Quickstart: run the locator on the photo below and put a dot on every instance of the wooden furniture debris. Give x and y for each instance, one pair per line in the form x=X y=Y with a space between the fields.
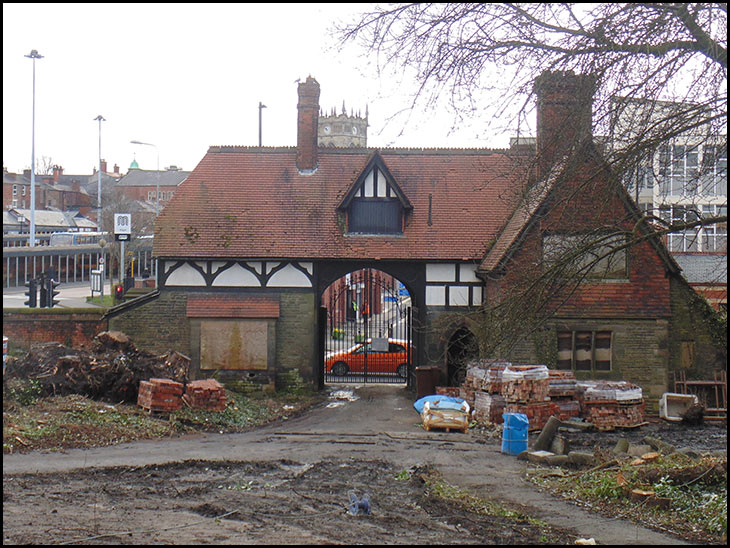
x=712 y=393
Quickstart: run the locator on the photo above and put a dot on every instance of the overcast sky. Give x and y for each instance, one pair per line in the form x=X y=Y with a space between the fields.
x=187 y=76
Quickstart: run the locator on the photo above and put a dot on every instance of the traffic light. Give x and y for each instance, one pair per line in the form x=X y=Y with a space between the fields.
x=32 y=294
x=44 y=292
x=118 y=292
x=51 y=292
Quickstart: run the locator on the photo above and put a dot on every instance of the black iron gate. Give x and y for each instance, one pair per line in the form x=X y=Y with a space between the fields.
x=368 y=335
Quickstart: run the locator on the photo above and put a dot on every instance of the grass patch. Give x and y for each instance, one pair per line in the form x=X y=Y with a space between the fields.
x=696 y=490
x=56 y=423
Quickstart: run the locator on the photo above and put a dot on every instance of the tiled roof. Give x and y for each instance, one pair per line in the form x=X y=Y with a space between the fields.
x=141 y=177
x=232 y=306
x=254 y=203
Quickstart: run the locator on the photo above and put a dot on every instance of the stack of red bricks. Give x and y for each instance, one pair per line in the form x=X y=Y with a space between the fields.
x=563 y=391
x=160 y=395
x=205 y=394
x=488 y=407
x=525 y=389
x=612 y=404
x=482 y=389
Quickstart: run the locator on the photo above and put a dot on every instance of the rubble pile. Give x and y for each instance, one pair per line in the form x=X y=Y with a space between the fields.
x=111 y=367
x=494 y=387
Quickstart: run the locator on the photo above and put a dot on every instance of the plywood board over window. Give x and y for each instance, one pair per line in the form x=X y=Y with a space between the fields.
x=233 y=344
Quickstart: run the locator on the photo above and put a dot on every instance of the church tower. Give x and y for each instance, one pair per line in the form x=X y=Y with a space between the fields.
x=343 y=130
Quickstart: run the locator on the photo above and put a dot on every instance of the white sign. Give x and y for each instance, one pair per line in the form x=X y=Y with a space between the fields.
x=122 y=223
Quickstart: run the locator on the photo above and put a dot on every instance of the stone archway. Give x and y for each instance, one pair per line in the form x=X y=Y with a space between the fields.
x=460 y=349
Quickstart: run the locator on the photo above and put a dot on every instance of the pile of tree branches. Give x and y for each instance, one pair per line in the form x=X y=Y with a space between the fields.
x=111 y=368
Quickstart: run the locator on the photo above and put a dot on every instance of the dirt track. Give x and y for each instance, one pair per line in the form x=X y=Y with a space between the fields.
x=287 y=484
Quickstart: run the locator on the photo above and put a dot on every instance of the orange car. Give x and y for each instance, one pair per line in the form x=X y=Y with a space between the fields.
x=354 y=360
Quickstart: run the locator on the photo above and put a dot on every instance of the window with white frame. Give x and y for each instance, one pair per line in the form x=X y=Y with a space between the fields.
x=714 y=170
x=678 y=170
x=708 y=238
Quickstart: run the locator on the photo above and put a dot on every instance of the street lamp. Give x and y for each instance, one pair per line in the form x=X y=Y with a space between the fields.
x=100 y=119
x=31 y=239
x=157 y=200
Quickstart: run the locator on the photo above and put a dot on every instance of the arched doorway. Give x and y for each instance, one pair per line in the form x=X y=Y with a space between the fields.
x=461 y=348
x=368 y=333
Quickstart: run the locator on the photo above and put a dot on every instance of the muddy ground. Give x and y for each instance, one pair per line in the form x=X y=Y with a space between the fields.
x=281 y=502
x=291 y=484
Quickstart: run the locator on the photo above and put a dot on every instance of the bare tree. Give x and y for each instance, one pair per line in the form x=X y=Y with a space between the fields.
x=490 y=54
x=660 y=100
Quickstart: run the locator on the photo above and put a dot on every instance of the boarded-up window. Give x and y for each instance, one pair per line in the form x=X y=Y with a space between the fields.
x=603 y=351
x=565 y=350
x=584 y=350
x=235 y=345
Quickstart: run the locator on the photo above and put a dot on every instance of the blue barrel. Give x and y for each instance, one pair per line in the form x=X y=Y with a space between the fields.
x=514 y=435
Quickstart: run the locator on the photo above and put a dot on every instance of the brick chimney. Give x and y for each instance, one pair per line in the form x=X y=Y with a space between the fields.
x=103 y=166
x=564 y=114
x=307 y=120
x=57 y=172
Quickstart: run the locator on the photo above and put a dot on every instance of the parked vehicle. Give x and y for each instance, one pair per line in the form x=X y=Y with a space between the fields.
x=366 y=355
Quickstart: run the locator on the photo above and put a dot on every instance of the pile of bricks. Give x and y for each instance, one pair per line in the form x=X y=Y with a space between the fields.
x=160 y=395
x=526 y=384
x=563 y=391
x=205 y=394
x=610 y=404
x=165 y=395
x=538 y=413
x=494 y=387
x=488 y=407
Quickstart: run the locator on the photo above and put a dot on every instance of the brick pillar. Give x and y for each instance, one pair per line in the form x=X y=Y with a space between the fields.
x=307 y=119
x=564 y=115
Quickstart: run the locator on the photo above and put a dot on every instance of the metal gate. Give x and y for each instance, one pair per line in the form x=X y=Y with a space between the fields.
x=368 y=334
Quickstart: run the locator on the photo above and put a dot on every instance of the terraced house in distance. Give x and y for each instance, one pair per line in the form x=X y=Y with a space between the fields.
x=254 y=237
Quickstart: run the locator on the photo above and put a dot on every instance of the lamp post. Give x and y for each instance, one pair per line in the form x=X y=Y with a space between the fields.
x=100 y=119
x=157 y=200
x=31 y=238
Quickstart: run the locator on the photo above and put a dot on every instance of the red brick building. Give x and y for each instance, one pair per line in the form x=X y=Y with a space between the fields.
x=459 y=228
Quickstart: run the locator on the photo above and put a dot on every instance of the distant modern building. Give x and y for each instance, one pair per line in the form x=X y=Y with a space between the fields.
x=679 y=180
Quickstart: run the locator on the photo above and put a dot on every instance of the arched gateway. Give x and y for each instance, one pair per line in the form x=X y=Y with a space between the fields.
x=256 y=238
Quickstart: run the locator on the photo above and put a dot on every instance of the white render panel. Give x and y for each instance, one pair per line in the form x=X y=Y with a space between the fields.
x=369 y=185
x=256 y=266
x=186 y=275
x=440 y=272
x=458 y=295
x=436 y=295
x=236 y=276
x=289 y=277
x=476 y=296
x=468 y=273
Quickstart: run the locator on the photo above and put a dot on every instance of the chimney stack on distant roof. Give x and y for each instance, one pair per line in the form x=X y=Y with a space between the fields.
x=307 y=121
x=564 y=114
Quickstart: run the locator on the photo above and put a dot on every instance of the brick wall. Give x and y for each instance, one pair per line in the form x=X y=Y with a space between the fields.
x=69 y=326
